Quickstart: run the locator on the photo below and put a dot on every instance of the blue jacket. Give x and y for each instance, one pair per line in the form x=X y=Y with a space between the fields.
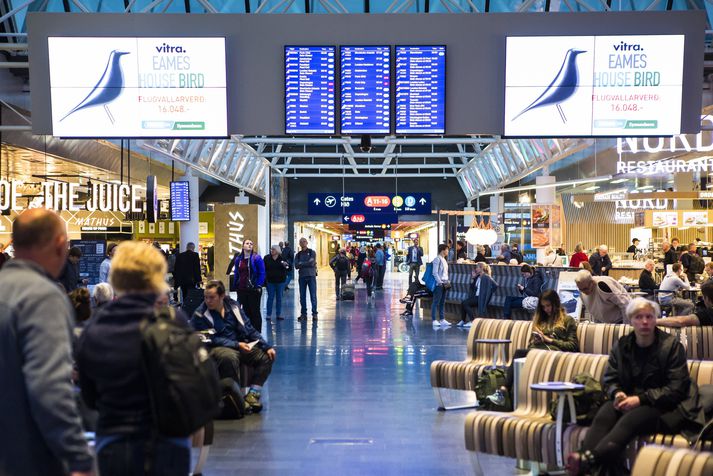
x=488 y=286
x=256 y=266
x=243 y=330
x=419 y=255
x=40 y=428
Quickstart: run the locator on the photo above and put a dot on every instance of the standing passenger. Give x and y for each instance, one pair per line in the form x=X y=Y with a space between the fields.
x=106 y=264
x=289 y=256
x=340 y=265
x=414 y=260
x=276 y=277
x=380 y=262
x=40 y=431
x=306 y=263
x=440 y=273
x=249 y=278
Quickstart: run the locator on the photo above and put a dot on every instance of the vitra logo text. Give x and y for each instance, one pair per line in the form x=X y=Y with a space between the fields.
x=166 y=48
x=624 y=46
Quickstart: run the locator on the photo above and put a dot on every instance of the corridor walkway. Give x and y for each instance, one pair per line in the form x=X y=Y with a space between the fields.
x=352 y=396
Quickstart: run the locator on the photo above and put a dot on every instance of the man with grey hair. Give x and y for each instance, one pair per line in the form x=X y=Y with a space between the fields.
x=103 y=293
x=604 y=297
x=600 y=261
x=40 y=428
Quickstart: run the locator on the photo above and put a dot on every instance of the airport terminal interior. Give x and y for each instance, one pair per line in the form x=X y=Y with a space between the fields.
x=423 y=237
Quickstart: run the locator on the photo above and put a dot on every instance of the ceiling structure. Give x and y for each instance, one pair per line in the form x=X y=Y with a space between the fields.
x=480 y=163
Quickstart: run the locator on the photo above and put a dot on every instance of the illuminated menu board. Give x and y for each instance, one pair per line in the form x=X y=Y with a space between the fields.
x=569 y=86
x=365 y=89
x=180 y=201
x=420 y=89
x=309 y=89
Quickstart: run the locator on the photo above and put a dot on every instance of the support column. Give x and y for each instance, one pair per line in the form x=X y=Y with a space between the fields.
x=497 y=206
x=544 y=196
x=189 y=229
x=683 y=182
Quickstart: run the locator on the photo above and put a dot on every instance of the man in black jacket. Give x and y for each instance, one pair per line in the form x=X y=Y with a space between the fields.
x=233 y=340
x=600 y=261
x=414 y=260
x=289 y=256
x=647 y=283
x=532 y=287
x=669 y=255
x=70 y=277
x=187 y=272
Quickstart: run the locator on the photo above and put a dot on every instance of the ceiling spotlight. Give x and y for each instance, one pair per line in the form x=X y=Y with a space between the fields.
x=365 y=144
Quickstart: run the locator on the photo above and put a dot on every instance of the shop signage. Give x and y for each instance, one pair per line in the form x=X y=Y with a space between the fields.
x=668 y=166
x=353 y=203
x=362 y=219
x=676 y=143
x=61 y=196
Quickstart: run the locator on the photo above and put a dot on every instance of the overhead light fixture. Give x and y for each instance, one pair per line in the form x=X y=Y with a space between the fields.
x=566 y=183
x=524 y=198
x=620 y=180
x=592 y=188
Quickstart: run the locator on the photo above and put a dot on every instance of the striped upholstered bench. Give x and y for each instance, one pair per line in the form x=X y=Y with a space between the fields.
x=600 y=338
x=461 y=375
x=658 y=460
x=528 y=433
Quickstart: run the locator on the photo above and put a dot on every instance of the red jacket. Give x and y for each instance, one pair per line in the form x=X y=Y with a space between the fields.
x=578 y=258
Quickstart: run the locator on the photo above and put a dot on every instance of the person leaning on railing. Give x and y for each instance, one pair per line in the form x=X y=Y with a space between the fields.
x=552 y=329
x=650 y=391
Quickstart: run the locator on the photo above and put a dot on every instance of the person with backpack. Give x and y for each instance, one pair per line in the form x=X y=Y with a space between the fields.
x=234 y=341
x=340 y=265
x=112 y=372
x=650 y=390
x=692 y=263
x=249 y=278
x=360 y=257
x=276 y=276
x=552 y=329
x=367 y=273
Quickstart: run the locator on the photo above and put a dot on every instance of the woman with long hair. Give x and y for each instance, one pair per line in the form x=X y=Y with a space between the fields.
x=552 y=329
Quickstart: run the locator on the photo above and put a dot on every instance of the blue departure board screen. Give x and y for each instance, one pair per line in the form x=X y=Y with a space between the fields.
x=366 y=89
x=180 y=201
x=420 y=89
x=309 y=89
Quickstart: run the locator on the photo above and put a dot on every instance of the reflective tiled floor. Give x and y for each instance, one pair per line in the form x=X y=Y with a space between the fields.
x=352 y=396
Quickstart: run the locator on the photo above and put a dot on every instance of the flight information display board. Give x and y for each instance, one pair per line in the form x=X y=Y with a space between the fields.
x=309 y=89
x=420 y=89
x=365 y=89
x=180 y=201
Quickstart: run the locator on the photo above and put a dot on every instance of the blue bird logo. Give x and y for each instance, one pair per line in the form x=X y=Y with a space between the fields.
x=107 y=88
x=562 y=87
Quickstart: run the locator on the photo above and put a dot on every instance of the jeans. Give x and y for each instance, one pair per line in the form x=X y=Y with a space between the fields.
x=413 y=271
x=469 y=308
x=381 y=271
x=129 y=456
x=511 y=302
x=438 y=307
x=290 y=273
x=340 y=279
x=311 y=283
x=250 y=300
x=274 y=292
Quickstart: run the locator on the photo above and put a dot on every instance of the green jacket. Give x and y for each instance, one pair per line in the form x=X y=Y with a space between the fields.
x=565 y=338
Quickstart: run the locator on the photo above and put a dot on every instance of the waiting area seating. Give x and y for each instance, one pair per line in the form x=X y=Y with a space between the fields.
x=529 y=433
x=658 y=460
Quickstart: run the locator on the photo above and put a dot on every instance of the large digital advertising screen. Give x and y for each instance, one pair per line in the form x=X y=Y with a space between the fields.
x=570 y=86
x=420 y=89
x=365 y=89
x=138 y=87
x=309 y=90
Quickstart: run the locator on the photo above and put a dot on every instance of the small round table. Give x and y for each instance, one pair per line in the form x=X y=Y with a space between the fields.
x=563 y=389
x=498 y=349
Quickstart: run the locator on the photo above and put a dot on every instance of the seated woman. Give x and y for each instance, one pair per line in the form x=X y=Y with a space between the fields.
x=552 y=329
x=647 y=283
x=650 y=391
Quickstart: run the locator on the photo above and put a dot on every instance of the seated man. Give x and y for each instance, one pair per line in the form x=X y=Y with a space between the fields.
x=701 y=317
x=415 y=291
x=482 y=288
x=647 y=283
x=604 y=297
x=675 y=281
x=233 y=340
x=531 y=287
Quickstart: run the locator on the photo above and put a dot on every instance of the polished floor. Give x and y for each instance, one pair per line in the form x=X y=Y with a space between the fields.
x=351 y=396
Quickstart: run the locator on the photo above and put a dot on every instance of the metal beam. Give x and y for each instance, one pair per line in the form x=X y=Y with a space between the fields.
x=443 y=175
x=365 y=155
x=454 y=167
x=15 y=11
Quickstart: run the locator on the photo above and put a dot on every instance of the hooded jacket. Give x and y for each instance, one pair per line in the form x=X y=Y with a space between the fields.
x=243 y=330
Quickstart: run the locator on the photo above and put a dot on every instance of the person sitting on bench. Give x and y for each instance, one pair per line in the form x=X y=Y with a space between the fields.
x=531 y=287
x=482 y=288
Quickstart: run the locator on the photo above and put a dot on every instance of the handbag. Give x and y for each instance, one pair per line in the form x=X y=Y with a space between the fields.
x=529 y=303
x=428 y=279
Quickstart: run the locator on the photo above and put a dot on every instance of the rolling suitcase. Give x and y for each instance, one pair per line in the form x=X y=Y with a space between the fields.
x=347 y=293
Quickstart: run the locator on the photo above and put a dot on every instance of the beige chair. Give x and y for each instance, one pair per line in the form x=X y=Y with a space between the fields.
x=655 y=460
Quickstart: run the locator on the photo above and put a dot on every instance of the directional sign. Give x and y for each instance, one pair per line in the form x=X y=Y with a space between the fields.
x=371 y=226
x=335 y=203
x=360 y=220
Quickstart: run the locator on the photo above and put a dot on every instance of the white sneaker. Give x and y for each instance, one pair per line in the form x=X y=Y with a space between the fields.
x=460 y=324
x=436 y=323
x=445 y=322
x=467 y=325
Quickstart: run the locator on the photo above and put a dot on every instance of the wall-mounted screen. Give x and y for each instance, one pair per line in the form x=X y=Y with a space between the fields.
x=568 y=86
x=420 y=89
x=365 y=89
x=180 y=201
x=309 y=90
x=138 y=87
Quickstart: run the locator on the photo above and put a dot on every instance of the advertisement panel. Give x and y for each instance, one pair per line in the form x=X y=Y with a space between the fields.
x=568 y=86
x=546 y=227
x=138 y=87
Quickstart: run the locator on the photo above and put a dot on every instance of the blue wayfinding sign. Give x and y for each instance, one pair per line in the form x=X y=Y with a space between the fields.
x=354 y=203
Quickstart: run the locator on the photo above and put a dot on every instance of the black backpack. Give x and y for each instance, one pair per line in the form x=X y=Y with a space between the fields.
x=180 y=376
x=697 y=264
x=232 y=405
x=342 y=263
